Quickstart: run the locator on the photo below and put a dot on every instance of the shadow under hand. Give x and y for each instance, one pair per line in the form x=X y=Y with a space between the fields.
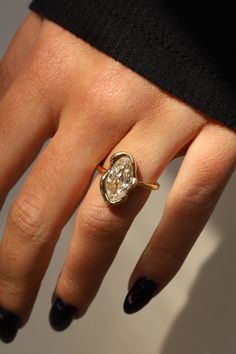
x=206 y=325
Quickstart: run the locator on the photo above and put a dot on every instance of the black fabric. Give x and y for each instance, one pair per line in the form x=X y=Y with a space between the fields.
x=185 y=47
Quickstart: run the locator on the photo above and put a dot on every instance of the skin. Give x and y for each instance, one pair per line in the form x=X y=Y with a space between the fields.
x=55 y=86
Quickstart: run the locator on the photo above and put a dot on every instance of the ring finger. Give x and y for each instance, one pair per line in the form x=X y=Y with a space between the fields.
x=99 y=229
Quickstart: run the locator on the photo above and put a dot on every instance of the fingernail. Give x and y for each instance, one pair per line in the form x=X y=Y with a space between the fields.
x=139 y=295
x=9 y=325
x=61 y=314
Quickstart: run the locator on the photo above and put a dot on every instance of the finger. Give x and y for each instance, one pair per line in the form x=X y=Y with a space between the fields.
x=18 y=50
x=35 y=220
x=99 y=230
x=26 y=122
x=206 y=168
x=52 y=191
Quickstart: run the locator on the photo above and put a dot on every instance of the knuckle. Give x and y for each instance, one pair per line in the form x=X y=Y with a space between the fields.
x=26 y=217
x=98 y=223
x=106 y=92
x=39 y=82
x=46 y=59
x=97 y=104
x=46 y=69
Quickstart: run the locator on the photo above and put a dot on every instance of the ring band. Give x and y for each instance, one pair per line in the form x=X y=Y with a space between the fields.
x=117 y=181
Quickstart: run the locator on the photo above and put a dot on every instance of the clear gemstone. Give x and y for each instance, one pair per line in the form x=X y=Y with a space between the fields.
x=119 y=179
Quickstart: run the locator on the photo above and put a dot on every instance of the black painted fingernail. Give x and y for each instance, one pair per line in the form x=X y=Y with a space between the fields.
x=9 y=325
x=61 y=314
x=139 y=295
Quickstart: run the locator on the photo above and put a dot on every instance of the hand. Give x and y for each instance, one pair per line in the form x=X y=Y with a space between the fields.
x=55 y=85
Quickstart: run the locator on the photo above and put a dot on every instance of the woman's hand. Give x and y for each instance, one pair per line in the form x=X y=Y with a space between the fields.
x=55 y=85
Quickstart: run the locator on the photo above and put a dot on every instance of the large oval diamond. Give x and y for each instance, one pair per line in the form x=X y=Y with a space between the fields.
x=118 y=180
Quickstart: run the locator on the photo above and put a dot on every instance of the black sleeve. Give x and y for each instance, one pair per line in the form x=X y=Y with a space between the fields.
x=185 y=47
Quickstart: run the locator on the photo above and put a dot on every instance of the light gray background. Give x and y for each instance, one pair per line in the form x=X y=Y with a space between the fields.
x=194 y=314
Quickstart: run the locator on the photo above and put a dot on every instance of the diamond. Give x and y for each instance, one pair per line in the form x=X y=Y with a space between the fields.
x=118 y=180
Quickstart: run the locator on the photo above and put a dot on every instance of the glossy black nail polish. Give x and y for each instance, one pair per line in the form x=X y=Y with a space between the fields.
x=9 y=325
x=139 y=295
x=61 y=314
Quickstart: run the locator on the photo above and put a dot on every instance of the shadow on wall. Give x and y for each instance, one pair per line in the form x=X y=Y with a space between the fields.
x=207 y=323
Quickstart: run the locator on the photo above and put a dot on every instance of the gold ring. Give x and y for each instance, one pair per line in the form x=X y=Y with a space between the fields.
x=117 y=181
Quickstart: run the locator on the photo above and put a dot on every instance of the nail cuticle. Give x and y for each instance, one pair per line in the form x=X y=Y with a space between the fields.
x=61 y=314
x=143 y=290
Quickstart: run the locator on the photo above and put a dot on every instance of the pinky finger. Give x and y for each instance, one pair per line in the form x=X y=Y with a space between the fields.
x=204 y=173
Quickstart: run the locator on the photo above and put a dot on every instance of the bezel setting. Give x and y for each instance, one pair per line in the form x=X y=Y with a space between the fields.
x=132 y=183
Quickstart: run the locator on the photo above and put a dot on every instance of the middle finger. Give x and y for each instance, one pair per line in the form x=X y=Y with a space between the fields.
x=48 y=198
